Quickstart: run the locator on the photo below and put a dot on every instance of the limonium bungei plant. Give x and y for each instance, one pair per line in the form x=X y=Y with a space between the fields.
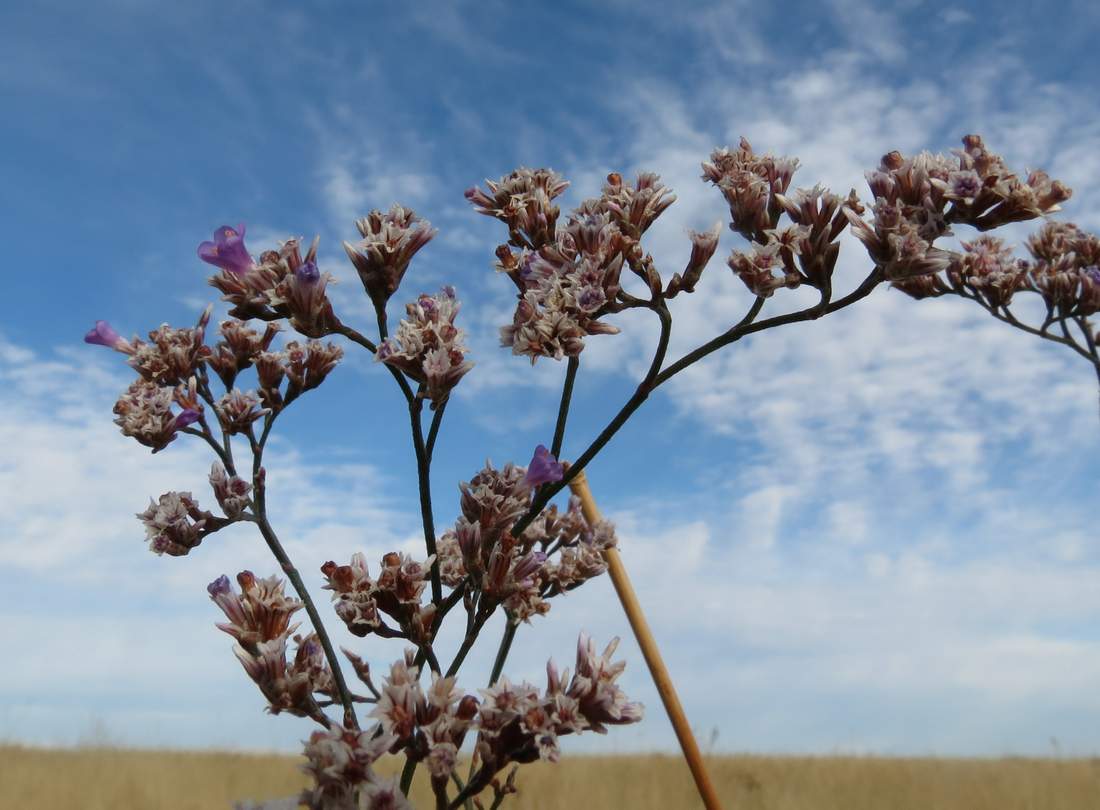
x=1064 y=268
x=510 y=549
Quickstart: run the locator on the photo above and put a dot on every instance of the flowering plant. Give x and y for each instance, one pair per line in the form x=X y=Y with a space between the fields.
x=510 y=549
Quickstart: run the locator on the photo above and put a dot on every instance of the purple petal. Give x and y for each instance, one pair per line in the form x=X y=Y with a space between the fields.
x=227 y=251
x=208 y=252
x=544 y=468
x=103 y=335
x=186 y=417
x=307 y=272
x=218 y=586
x=528 y=565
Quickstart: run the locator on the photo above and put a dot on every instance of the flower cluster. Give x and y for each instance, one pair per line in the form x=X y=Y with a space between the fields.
x=988 y=268
x=918 y=198
x=568 y=277
x=522 y=200
x=259 y=620
x=634 y=208
x=756 y=189
x=339 y=759
x=174 y=524
x=508 y=548
x=428 y=346
x=751 y=184
x=431 y=723
x=237 y=410
x=283 y=284
x=238 y=349
x=556 y=553
x=389 y=243
x=303 y=366
x=1066 y=269
x=518 y=723
x=396 y=593
x=144 y=412
x=564 y=287
x=569 y=273
x=233 y=492
x=172 y=355
x=515 y=723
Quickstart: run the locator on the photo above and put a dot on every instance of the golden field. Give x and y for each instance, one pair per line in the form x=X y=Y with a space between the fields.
x=118 y=779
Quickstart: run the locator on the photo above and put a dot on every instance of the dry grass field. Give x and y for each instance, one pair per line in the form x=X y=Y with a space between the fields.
x=119 y=779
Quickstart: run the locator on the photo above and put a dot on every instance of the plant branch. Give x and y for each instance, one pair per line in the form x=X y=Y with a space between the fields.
x=505 y=647
x=468 y=642
x=423 y=469
x=356 y=337
x=748 y=325
x=1007 y=317
x=295 y=578
x=648 y=383
x=433 y=430
x=563 y=408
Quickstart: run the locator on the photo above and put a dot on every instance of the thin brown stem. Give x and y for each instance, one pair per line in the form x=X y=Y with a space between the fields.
x=1005 y=315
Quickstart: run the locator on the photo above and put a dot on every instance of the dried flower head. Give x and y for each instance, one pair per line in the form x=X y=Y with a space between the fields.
x=302 y=295
x=172 y=355
x=353 y=592
x=260 y=612
x=389 y=242
x=988 y=267
x=428 y=346
x=522 y=200
x=237 y=410
x=232 y=491
x=703 y=246
x=771 y=265
x=1066 y=268
x=564 y=287
x=339 y=759
x=986 y=194
x=238 y=348
x=144 y=412
x=634 y=208
x=750 y=183
x=306 y=366
x=174 y=524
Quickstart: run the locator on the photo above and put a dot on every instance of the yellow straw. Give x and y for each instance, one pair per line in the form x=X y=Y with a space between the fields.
x=661 y=678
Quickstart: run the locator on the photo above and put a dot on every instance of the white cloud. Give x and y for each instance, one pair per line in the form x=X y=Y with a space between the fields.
x=751 y=606
x=892 y=547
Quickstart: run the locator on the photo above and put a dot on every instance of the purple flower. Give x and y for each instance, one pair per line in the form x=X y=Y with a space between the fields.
x=528 y=565
x=308 y=273
x=544 y=468
x=219 y=586
x=227 y=251
x=186 y=417
x=103 y=335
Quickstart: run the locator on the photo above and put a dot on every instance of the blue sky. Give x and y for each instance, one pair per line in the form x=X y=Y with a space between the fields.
x=875 y=532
